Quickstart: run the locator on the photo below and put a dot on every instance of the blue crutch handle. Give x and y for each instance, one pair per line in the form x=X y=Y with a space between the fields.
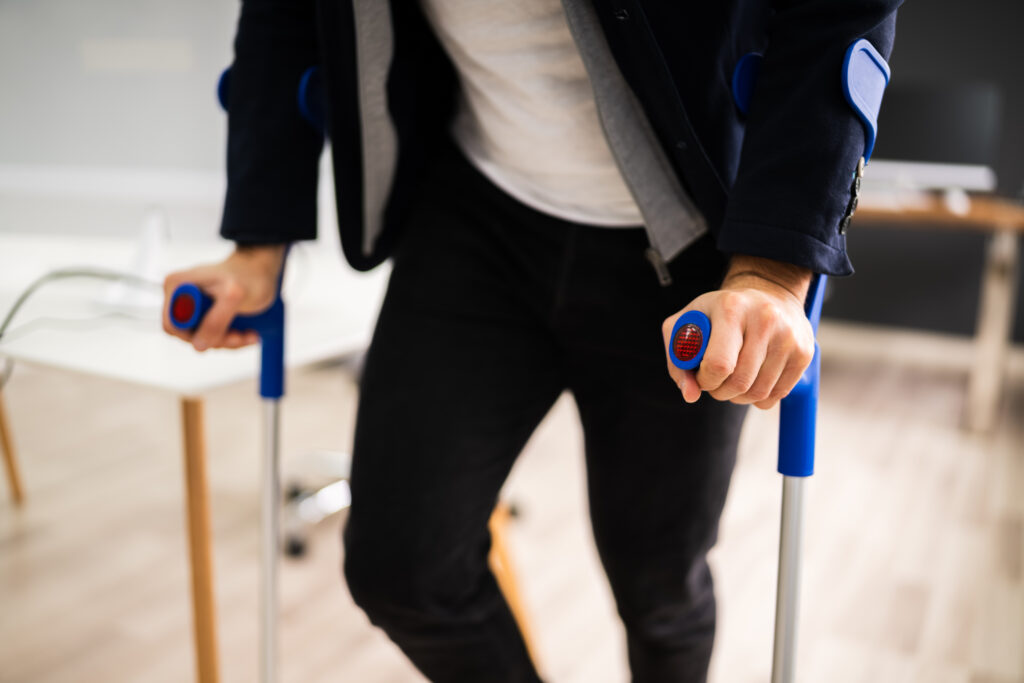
x=189 y=304
x=798 y=411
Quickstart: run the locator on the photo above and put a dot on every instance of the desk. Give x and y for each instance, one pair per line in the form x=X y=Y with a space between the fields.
x=331 y=312
x=1005 y=221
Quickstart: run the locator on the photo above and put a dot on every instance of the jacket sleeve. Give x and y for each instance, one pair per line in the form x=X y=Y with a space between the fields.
x=803 y=140
x=273 y=153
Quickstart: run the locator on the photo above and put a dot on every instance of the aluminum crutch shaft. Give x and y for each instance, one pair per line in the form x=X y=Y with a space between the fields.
x=787 y=597
x=270 y=497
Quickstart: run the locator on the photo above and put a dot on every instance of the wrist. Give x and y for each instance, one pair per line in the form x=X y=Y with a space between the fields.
x=769 y=275
x=267 y=257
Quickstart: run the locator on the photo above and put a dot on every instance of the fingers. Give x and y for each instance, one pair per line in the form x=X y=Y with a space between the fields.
x=722 y=354
x=790 y=375
x=761 y=360
x=689 y=386
x=236 y=340
x=767 y=379
x=213 y=329
x=749 y=366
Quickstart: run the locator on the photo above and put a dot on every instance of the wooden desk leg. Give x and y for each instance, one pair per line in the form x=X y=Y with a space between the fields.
x=992 y=336
x=504 y=573
x=200 y=550
x=10 y=459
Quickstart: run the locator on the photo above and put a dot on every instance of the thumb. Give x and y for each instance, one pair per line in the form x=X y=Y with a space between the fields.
x=689 y=387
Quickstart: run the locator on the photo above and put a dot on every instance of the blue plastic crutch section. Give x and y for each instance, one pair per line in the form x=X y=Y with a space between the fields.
x=224 y=88
x=798 y=411
x=309 y=97
x=270 y=323
x=744 y=78
x=865 y=75
x=189 y=304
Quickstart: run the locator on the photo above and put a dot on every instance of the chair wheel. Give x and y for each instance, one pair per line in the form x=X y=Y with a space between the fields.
x=295 y=546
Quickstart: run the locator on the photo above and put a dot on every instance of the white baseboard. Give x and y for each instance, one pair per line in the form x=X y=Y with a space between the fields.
x=907 y=347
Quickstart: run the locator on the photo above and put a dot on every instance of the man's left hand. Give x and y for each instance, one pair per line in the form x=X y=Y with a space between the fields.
x=761 y=341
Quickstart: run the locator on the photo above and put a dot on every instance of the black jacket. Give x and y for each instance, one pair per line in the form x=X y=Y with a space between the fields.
x=774 y=183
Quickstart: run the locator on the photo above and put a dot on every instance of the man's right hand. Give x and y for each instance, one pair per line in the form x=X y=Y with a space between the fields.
x=244 y=283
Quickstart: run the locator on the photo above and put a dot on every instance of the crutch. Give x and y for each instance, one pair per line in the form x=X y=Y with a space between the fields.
x=796 y=462
x=188 y=305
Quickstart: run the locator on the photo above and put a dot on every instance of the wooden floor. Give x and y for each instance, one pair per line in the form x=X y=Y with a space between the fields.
x=914 y=541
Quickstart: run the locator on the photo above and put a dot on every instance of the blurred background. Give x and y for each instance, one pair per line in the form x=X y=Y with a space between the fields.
x=112 y=155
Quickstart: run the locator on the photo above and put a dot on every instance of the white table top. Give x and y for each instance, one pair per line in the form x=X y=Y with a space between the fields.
x=331 y=310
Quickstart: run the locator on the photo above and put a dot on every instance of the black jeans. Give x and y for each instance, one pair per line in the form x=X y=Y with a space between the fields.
x=493 y=309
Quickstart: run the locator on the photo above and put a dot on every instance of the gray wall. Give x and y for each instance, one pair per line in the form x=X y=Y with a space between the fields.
x=107 y=108
x=113 y=82
x=929 y=279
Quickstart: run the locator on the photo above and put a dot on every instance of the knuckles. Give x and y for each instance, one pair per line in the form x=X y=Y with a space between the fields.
x=769 y=316
x=233 y=291
x=718 y=366
x=741 y=382
x=756 y=395
x=805 y=352
x=732 y=305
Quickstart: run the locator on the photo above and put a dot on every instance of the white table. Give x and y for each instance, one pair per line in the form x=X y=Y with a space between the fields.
x=331 y=310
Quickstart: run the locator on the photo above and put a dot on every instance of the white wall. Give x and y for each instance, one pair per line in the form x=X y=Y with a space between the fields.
x=113 y=82
x=106 y=97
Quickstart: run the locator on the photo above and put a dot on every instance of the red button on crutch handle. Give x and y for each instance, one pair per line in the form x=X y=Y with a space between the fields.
x=689 y=340
x=183 y=309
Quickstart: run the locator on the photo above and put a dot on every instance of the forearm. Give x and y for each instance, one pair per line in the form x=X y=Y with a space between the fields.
x=273 y=153
x=802 y=140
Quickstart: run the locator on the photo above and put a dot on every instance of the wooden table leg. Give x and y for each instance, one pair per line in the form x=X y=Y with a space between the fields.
x=504 y=573
x=992 y=337
x=10 y=459
x=200 y=547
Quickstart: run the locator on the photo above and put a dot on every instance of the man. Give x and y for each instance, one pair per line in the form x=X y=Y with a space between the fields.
x=554 y=181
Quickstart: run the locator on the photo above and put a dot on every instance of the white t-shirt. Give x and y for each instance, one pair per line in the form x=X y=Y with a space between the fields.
x=526 y=116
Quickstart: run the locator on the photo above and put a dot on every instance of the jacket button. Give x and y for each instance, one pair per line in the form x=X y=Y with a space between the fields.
x=621 y=14
x=681 y=145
